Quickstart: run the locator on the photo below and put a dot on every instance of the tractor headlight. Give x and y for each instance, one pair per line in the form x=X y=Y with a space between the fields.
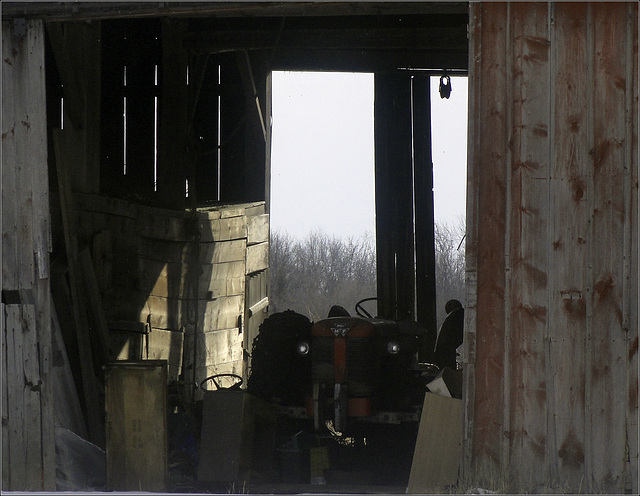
x=393 y=347
x=302 y=348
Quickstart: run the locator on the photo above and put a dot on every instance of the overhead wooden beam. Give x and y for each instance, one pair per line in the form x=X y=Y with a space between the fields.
x=301 y=59
x=365 y=38
x=81 y=11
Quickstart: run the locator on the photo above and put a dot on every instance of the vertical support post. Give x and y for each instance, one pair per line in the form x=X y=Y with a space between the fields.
x=394 y=196
x=424 y=216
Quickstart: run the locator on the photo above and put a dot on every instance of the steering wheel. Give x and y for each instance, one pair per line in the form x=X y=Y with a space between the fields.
x=360 y=310
x=213 y=378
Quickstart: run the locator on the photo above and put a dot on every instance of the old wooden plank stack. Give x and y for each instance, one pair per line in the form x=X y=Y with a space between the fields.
x=28 y=456
x=552 y=310
x=179 y=274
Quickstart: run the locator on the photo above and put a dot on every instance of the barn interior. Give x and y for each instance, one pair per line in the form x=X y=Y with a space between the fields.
x=158 y=132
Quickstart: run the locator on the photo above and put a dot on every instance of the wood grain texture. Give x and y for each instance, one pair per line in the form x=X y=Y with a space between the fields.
x=568 y=275
x=528 y=212
x=553 y=192
x=28 y=429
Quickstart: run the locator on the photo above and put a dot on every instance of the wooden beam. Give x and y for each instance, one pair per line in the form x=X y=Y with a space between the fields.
x=64 y=11
x=300 y=59
x=27 y=412
x=249 y=85
x=65 y=145
x=394 y=196
x=368 y=38
x=424 y=218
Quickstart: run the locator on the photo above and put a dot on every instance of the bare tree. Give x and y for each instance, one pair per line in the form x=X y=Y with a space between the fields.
x=450 y=265
x=309 y=276
x=312 y=275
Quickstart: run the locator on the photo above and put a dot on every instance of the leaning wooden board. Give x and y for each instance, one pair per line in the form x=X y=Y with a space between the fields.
x=439 y=445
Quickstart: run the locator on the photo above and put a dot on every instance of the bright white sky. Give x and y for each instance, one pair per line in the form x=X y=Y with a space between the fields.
x=322 y=163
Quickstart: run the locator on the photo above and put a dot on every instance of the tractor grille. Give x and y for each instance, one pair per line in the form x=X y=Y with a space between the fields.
x=362 y=366
x=361 y=369
x=322 y=359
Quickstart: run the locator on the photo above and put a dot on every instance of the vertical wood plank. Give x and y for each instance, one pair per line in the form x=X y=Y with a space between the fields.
x=608 y=338
x=41 y=347
x=8 y=205
x=471 y=245
x=527 y=262
x=568 y=246
x=25 y=264
x=41 y=249
x=488 y=184
x=268 y=105
x=17 y=453
x=32 y=386
x=4 y=370
x=632 y=226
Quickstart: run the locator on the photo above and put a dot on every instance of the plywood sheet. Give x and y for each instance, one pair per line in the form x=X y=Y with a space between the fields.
x=438 y=448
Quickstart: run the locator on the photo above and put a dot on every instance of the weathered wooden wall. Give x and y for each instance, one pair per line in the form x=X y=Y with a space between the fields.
x=552 y=252
x=28 y=448
x=175 y=274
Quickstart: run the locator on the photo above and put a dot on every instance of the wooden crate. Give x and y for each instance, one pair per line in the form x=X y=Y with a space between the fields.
x=136 y=425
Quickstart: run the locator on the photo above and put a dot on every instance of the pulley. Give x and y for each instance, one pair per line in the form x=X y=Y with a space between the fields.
x=445 y=86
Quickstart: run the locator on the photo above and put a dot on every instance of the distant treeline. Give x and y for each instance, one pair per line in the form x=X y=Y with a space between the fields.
x=311 y=275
